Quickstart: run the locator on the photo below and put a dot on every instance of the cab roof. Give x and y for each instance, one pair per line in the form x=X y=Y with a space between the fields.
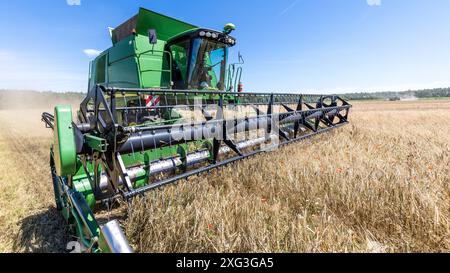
x=204 y=33
x=166 y=27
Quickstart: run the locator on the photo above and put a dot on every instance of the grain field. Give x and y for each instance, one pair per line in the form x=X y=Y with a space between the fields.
x=380 y=184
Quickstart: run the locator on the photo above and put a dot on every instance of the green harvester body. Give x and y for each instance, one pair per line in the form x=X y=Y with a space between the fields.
x=124 y=133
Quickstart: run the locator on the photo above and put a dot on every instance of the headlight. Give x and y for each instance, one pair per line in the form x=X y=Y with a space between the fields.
x=202 y=33
x=214 y=35
x=208 y=34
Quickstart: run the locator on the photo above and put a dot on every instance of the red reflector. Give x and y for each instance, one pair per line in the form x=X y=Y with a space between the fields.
x=240 y=88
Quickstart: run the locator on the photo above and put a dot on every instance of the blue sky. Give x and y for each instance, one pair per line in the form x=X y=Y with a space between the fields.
x=328 y=46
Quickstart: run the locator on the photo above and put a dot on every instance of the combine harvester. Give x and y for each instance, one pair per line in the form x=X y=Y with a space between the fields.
x=163 y=105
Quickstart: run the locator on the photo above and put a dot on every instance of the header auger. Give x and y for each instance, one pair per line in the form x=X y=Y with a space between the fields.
x=160 y=109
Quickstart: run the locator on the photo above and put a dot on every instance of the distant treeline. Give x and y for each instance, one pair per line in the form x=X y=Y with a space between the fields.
x=35 y=100
x=419 y=94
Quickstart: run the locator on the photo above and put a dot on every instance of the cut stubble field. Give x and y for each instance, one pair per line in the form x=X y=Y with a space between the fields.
x=380 y=184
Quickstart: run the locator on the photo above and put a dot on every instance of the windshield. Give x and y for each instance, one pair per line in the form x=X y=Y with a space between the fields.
x=199 y=64
x=207 y=65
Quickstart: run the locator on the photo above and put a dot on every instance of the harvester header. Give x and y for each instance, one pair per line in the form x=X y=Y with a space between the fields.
x=163 y=106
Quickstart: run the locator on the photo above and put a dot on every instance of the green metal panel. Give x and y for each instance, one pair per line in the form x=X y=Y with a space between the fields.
x=122 y=67
x=123 y=49
x=64 y=142
x=84 y=187
x=124 y=74
x=98 y=70
x=87 y=226
x=134 y=63
x=165 y=26
x=154 y=66
x=96 y=143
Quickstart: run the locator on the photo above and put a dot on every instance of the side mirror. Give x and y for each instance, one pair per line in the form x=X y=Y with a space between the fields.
x=153 y=38
x=241 y=59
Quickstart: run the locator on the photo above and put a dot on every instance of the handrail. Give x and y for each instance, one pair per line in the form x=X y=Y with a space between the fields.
x=207 y=92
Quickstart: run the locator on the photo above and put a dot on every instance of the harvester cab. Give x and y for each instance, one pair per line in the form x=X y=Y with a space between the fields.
x=163 y=106
x=154 y=51
x=200 y=59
